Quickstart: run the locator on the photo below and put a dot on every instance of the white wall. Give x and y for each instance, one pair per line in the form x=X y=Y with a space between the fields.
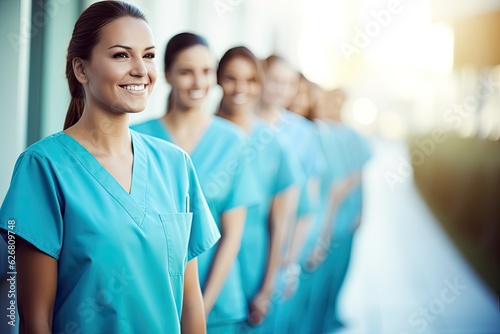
x=14 y=39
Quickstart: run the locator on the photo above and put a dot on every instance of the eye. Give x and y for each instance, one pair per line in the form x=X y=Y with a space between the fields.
x=150 y=56
x=120 y=55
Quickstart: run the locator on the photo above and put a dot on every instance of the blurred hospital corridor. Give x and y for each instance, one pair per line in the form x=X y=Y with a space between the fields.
x=406 y=276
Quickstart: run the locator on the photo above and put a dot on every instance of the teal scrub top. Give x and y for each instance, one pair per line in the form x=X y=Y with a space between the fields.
x=228 y=183
x=304 y=138
x=121 y=256
x=354 y=152
x=334 y=171
x=276 y=168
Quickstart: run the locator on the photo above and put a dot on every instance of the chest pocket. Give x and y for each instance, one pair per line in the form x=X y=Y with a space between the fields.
x=177 y=229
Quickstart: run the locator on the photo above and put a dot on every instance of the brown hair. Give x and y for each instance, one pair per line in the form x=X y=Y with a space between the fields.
x=239 y=52
x=86 y=35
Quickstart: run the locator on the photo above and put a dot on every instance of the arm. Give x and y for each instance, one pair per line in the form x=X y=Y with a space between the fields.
x=193 y=312
x=338 y=193
x=37 y=286
x=283 y=208
x=301 y=230
x=232 y=224
x=298 y=238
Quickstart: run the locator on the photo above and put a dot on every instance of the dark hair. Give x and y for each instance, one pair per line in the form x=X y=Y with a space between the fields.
x=266 y=63
x=86 y=35
x=177 y=44
x=238 y=52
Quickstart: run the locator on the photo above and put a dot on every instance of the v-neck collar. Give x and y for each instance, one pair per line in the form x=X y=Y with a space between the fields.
x=135 y=201
x=200 y=141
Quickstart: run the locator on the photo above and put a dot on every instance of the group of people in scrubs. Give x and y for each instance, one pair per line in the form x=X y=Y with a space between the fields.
x=234 y=220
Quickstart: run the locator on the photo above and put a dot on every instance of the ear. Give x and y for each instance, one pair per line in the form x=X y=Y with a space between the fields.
x=79 y=66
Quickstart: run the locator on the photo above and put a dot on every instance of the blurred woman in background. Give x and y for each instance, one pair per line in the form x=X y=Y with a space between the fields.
x=280 y=88
x=340 y=197
x=279 y=176
x=217 y=148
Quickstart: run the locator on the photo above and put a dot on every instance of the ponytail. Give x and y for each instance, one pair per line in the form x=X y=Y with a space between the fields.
x=75 y=109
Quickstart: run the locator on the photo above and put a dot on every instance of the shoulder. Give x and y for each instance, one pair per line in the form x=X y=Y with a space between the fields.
x=141 y=127
x=158 y=147
x=47 y=149
x=228 y=128
x=299 y=121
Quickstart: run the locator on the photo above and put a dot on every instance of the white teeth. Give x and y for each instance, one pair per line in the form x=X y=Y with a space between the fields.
x=196 y=94
x=135 y=87
x=240 y=99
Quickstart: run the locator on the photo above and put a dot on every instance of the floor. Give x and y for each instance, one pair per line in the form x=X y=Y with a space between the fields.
x=406 y=276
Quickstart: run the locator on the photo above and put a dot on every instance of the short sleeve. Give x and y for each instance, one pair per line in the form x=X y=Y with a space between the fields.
x=243 y=191
x=204 y=232
x=289 y=170
x=32 y=208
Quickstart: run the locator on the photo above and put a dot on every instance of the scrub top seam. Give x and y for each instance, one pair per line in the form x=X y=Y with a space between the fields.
x=23 y=234
x=138 y=220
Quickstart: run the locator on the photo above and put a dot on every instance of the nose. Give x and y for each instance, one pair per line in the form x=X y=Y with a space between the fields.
x=138 y=68
x=241 y=86
x=199 y=80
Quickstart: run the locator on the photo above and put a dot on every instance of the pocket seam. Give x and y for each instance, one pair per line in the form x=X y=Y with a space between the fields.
x=176 y=218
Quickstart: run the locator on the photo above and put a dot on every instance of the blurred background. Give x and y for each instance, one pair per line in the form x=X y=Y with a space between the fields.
x=423 y=83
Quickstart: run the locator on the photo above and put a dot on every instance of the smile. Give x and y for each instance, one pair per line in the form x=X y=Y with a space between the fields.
x=240 y=99
x=134 y=88
x=196 y=94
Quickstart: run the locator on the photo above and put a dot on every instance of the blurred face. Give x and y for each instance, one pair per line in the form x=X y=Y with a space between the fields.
x=240 y=84
x=301 y=103
x=121 y=72
x=280 y=85
x=191 y=77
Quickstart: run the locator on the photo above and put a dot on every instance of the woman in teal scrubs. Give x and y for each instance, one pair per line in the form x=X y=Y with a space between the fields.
x=106 y=222
x=280 y=87
x=217 y=148
x=344 y=152
x=279 y=176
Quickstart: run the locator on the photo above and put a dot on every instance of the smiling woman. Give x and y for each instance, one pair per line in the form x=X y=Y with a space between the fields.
x=109 y=222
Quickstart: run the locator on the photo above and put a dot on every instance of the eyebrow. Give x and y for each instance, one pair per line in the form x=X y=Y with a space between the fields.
x=128 y=47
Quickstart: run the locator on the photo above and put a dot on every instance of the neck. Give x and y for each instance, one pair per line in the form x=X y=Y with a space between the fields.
x=103 y=133
x=242 y=118
x=268 y=112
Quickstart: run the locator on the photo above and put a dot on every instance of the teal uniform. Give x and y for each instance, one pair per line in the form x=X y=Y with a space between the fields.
x=121 y=256
x=305 y=140
x=277 y=169
x=329 y=277
x=360 y=153
x=228 y=183
x=335 y=171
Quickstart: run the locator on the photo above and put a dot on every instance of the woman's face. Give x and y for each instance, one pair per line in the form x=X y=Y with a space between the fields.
x=121 y=73
x=240 y=84
x=191 y=77
x=280 y=85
